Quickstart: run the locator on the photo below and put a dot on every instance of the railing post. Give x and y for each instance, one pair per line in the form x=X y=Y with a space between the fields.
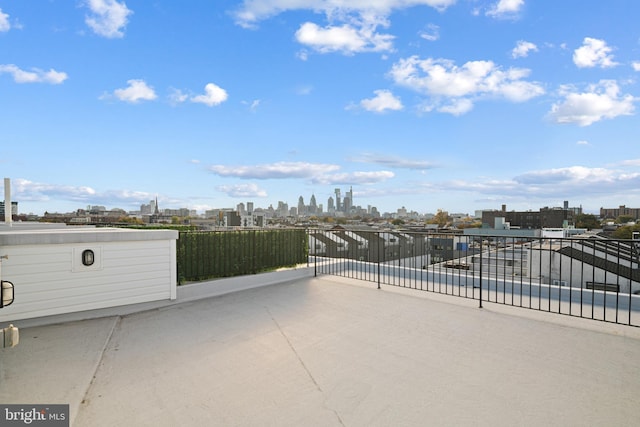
x=481 y=251
x=308 y=237
x=379 y=258
x=315 y=254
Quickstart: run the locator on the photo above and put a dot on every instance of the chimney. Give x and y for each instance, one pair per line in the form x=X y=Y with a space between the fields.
x=7 y=201
x=504 y=208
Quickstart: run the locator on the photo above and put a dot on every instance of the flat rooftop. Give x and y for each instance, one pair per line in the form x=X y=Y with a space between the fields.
x=330 y=351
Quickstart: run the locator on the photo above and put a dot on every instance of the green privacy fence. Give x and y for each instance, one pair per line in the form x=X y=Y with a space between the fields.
x=211 y=254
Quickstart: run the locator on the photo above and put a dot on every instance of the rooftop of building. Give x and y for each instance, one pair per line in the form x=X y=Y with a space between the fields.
x=328 y=351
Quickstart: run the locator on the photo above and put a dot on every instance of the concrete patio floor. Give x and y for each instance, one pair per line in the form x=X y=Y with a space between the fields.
x=329 y=351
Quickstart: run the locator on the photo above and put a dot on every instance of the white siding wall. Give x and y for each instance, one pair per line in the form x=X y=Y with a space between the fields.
x=50 y=278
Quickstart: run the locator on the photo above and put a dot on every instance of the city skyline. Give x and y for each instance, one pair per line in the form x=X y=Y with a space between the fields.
x=460 y=105
x=313 y=208
x=329 y=207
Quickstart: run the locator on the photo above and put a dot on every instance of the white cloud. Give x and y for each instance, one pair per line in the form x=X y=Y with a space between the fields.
x=108 y=17
x=361 y=178
x=304 y=90
x=393 y=161
x=457 y=107
x=505 y=8
x=277 y=170
x=636 y=65
x=574 y=174
x=253 y=105
x=242 y=190
x=137 y=91
x=5 y=25
x=523 y=48
x=453 y=89
x=253 y=11
x=214 y=95
x=176 y=96
x=351 y=24
x=30 y=190
x=115 y=197
x=316 y=173
x=345 y=38
x=582 y=142
x=593 y=53
x=580 y=178
x=38 y=191
x=383 y=101
x=630 y=162
x=550 y=184
x=600 y=101
x=34 y=76
x=432 y=33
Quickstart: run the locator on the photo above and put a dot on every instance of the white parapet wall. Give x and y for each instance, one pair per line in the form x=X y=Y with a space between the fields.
x=49 y=276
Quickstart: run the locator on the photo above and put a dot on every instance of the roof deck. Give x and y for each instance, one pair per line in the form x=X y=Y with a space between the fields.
x=330 y=351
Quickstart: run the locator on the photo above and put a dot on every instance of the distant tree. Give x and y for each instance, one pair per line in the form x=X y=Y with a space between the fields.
x=441 y=218
x=587 y=221
x=626 y=231
x=397 y=221
x=624 y=219
x=474 y=224
x=130 y=220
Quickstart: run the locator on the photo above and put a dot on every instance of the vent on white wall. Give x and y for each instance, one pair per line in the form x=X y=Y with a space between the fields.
x=86 y=258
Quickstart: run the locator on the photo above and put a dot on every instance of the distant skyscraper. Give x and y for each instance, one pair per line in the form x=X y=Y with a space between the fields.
x=338 y=200
x=348 y=200
x=14 y=210
x=301 y=207
x=330 y=206
x=283 y=209
x=145 y=209
x=249 y=207
x=313 y=207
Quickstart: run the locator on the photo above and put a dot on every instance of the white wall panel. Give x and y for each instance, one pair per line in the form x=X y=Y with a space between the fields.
x=49 y=277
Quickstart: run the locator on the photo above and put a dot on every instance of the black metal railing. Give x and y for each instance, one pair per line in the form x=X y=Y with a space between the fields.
x=595 y=277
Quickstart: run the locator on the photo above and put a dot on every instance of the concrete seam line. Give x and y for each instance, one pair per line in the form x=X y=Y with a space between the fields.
x=304 y=366
x=116 y=323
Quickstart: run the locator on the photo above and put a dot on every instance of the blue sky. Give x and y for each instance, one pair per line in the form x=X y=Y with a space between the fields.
x=429 y=104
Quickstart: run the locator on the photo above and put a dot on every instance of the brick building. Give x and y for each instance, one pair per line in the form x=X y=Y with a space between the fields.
x=606 y=213
x=544 y=218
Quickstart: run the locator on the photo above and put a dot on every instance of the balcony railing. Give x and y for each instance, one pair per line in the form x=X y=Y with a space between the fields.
x=595 y=278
